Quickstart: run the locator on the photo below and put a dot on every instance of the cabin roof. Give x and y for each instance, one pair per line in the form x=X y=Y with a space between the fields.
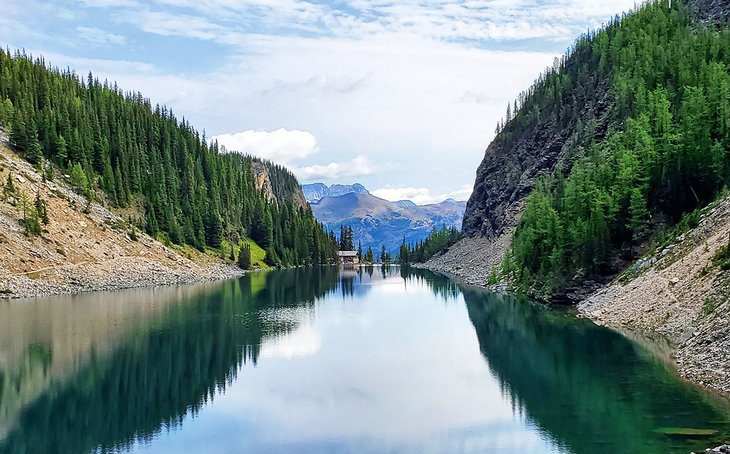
x=347 y=253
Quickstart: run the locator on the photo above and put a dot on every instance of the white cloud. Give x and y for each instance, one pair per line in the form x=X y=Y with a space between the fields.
x=108 y=3
x=417 y=86
x=421 y=196
x=432 y=19
x=99 y=36
x=359 y=166
x=281 y=146
x=304 y=341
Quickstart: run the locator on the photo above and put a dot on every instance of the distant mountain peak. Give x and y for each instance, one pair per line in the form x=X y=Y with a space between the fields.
x=377 y=222
x=405 y=203
x=315 y=192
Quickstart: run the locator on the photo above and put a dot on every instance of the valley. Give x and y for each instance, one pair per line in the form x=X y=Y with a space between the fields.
x=377 y=222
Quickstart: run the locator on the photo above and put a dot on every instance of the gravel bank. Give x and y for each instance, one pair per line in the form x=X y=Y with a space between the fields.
x=682 y=295
x=471 y=260
x=678 y=294
x=116 y=274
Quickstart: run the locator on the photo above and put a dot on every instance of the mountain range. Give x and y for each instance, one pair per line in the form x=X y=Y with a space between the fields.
x=317 y=191
x=375 y=221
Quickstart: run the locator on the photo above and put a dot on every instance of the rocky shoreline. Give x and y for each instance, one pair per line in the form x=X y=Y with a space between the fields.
x=84 y=246
x=117 y=274
x=679 y=295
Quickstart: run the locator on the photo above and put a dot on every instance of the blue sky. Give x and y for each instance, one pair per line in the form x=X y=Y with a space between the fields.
x=402 y=96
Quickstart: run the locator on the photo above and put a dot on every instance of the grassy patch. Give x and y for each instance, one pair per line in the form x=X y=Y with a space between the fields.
x=709 y=306
x=257 y=254
x=722 y=257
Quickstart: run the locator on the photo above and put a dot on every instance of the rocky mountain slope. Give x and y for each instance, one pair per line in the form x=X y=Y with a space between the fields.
x=85 y=246
x=680 y=293
x=263 y=182
x=317 y=191
x=376 y=221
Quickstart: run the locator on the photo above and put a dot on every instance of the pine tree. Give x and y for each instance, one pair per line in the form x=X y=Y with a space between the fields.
x=9 y=188
x=79 y=180
x=244 y=256
x=33 y=152
x=214 y=230
x=41 y=209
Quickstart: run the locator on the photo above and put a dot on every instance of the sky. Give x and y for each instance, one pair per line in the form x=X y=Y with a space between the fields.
x=401 y=96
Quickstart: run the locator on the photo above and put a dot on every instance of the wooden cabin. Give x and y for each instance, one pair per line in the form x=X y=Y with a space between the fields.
x=348 y=258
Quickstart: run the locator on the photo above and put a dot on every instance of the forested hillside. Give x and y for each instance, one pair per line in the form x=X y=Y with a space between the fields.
x=638 y=115
x=118 y=147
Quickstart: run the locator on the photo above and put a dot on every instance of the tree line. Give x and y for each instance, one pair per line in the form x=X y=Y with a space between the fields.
x=665 y=154
x=117 y=147
x=437 y=241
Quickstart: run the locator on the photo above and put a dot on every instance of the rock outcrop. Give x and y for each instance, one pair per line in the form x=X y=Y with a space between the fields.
x=715 y=12
x=266 y=184
x=507 y=174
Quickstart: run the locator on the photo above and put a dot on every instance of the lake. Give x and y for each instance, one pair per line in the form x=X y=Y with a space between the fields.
x=323 y=360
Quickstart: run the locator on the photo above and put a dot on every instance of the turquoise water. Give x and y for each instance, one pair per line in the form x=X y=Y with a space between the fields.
x=315 y=360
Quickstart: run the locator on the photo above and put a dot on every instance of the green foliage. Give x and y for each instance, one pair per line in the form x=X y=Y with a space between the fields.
x=347 y=242
x=665 y=154
x=41 y=209
x=722 y=257
x=437 y=241
x=6 y=113
x=709 y=306
x=244 y=257
x=119 y=143
x=79 y=180
x=9 y=188
x=31 y=220
x=369 y=257
x=385 y=256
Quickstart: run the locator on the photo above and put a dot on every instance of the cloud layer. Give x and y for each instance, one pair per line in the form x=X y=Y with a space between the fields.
x=282 y=146
x=421 y=196
x=404 y=94
x=358 y=167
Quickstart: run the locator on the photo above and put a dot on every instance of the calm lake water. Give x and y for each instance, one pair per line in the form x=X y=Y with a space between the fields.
x=314 y=360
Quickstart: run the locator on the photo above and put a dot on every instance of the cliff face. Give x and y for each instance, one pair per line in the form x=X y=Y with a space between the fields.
x=510 y=168
x=507 y=174
x=711 y=11
x=273 y=188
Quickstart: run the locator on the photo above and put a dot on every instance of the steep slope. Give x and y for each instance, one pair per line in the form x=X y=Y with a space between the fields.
x=317 y=191
x=637 y=140
x=378 y=222
x=716 y=12
x=277 y=184
x=133 y=155
x=85 y=246
x=682 y=293
x=649 y=59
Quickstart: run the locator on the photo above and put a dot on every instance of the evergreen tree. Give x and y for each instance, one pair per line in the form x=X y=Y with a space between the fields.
x=244 y=256
x=122 y=144
x=41 y=209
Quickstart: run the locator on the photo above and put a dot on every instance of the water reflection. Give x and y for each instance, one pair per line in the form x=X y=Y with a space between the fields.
x=100 y=371
x=314 y=359
x=589 y=388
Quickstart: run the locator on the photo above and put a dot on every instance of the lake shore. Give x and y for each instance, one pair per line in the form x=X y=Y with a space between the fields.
x=116 y=274
x=699 y=338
